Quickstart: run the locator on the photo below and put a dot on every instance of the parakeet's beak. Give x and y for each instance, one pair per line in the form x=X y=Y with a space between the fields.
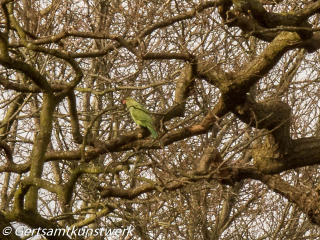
x=124 y=102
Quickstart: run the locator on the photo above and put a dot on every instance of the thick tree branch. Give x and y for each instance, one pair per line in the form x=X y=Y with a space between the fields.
x=307 y=199
x=251 y=16
x=75 y=128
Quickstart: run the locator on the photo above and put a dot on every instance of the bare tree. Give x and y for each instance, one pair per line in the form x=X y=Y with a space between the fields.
x=232 y=87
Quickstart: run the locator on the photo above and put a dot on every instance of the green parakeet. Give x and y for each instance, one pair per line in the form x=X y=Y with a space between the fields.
x=140 y=115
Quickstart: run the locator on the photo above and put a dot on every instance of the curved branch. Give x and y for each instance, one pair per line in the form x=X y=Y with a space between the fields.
x=307 y=199
x=7 y=151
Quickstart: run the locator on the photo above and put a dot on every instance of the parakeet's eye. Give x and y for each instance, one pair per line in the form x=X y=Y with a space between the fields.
x=124 y=102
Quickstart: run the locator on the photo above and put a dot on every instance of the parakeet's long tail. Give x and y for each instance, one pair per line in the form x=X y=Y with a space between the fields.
x=153 y=132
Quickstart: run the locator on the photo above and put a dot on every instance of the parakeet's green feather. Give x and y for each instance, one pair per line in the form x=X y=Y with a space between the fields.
x=140 y=115
x=153 y=132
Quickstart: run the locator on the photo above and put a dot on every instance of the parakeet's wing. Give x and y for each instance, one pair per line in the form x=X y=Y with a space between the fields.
x=153 y=132
x=141 y=116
